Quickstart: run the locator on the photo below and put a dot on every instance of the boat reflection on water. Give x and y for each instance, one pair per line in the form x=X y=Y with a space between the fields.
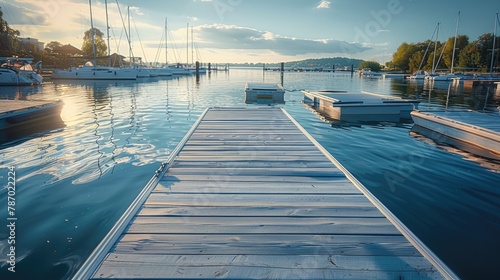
x=26 y=131
x=96 y=83
x=19 y=92
x=485 y=158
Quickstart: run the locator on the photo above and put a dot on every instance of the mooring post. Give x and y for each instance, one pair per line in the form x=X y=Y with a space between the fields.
x=282 y=70
x=197 y=70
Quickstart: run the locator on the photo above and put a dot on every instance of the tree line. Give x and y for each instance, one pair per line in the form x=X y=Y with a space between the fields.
x=472 y=56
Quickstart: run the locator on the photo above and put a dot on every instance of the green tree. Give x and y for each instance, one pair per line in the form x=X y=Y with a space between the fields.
x=401 y=58
x=373 y=65
x=470 y=57
x=7 y=37
x=462 y=42
x=475 y=55
x=415 y=62
x=439 y=62
x=53 y=45
x=389 y=65
x=100 y=44
x=485 y=45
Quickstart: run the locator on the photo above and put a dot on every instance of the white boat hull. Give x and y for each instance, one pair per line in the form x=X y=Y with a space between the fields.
x=163 y=72
x=95 y=73
x=143 y=72
x=9 y=77
x=181 y=71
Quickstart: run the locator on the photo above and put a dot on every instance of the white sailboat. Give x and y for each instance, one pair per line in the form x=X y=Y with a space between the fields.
x=450 y=76
x=92 y=72
x=201 y=70
x=497 y=22
x=420 y=74
x=164 y=71
x=180 y=69
x=142 y=72
x=18 y=72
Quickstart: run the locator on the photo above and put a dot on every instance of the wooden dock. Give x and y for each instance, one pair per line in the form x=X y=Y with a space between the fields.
x=249 y=194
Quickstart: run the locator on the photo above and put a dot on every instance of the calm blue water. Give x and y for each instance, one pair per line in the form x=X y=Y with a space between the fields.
x=75 y=177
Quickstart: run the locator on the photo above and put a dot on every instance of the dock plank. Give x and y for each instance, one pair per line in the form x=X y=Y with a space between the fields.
x=294 y=247
x=261 y=211
x=342 y=186
x=249 y=196
x=279 y=261
x=220 y=199
x=270 y=267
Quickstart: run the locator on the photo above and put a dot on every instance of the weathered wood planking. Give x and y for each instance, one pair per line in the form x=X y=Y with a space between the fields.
x=249 y=196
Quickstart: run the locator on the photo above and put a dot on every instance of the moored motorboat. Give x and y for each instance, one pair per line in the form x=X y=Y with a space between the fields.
x=18 y=72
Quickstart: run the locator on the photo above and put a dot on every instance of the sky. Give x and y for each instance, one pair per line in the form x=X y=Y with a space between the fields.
x=254 y=31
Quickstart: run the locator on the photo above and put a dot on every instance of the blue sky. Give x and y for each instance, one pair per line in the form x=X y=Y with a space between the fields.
x=255 y=30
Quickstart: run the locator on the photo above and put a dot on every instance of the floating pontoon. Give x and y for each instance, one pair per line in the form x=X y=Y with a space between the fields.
x=360 y=106
x=264 y=93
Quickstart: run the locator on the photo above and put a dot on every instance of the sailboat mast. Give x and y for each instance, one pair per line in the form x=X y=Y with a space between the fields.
x=455 y=44
x=107 y=32
x=494 y=44
x=435 y=49
x=129 y=35
x=192 y=46
x=92 y=31
x=166 y=44
x=187 y=43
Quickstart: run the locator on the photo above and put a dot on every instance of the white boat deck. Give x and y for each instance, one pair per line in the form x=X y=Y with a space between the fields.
x=478 y=129
x=249 y=194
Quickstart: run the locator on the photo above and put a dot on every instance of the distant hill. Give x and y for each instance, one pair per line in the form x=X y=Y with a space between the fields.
x=338 y=62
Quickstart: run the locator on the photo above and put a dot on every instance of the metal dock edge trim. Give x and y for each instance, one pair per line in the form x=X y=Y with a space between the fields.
x=414 y=240
x=89 y=267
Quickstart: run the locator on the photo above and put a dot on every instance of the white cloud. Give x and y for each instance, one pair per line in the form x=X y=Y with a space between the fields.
x=323 y=4
x=222 y=36
x=136 y=10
